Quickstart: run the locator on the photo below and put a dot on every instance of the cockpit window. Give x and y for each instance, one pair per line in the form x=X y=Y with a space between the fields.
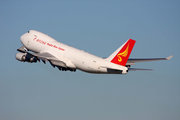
x=28 y=31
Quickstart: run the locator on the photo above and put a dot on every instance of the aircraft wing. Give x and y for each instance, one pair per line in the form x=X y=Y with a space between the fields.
x=21 y=49
x=133 y=61
x=45 y=56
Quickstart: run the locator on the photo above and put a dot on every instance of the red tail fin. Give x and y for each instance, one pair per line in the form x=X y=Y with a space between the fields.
x=124 y=53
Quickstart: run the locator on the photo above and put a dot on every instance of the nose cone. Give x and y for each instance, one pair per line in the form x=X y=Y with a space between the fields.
x=23 y=38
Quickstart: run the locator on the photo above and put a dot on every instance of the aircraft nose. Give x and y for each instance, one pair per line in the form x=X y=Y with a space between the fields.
x=23 y=38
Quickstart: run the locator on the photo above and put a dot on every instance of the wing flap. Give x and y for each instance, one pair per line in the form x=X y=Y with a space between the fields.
x=58 y=63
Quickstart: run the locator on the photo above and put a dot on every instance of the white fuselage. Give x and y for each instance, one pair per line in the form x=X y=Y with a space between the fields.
x=74 y=58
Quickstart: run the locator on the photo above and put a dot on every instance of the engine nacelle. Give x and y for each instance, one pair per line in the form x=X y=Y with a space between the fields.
x=25 y=57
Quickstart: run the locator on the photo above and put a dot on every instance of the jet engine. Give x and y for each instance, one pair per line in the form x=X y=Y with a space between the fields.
x=25 y=57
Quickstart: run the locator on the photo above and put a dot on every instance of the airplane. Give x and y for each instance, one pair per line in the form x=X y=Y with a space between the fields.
x=67 y=58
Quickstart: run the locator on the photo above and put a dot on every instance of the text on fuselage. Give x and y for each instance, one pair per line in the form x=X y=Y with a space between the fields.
x=48 y=44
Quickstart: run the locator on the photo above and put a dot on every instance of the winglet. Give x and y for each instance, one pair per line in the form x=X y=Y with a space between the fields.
x=168 y=58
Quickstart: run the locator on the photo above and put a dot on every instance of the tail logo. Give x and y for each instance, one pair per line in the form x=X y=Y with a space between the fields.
x=123 y=54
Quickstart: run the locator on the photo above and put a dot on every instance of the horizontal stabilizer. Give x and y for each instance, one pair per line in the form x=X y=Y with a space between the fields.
x=133 y=61
x=139 y=69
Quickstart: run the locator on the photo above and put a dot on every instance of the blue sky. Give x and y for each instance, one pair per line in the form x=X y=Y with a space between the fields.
x=40 y=92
